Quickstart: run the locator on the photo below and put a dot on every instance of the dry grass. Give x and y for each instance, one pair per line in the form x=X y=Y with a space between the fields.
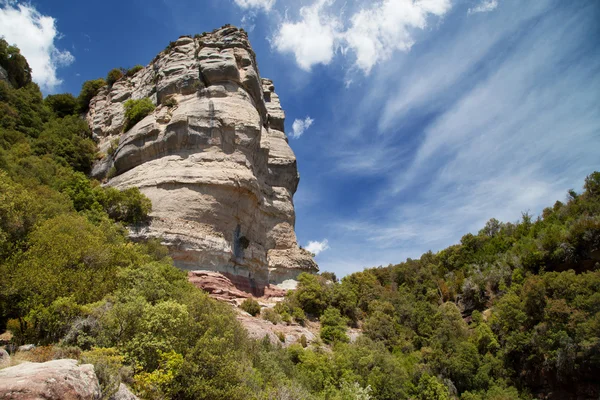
x=44 y=353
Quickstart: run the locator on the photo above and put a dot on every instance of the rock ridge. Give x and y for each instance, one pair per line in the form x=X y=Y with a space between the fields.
x=213 y=157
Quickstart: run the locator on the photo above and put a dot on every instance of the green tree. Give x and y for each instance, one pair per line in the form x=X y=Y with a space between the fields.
x=333 y=326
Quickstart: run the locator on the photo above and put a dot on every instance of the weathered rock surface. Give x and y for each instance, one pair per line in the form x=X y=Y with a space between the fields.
x=123 y=394
x=214 y=159
x=231 y=288
x=52 y=380
x=4 y=358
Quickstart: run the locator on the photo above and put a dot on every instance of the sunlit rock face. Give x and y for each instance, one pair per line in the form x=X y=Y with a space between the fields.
x=213 y=158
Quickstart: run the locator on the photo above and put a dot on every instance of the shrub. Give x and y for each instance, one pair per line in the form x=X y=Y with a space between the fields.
x=303 y=341
x=281 y=337
x=133 y=70
x=114 y=75
x=89 y=89
x=170 y=102
x=136 y=110
x=271 y=315
x=251 y=306
x=107 y=365
x=113 y=147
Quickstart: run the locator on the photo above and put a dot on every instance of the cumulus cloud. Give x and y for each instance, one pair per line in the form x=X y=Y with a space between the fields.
x=300 y=125
x=371 y=33
x=376 y=32
x=317 y=247
x=484 y=6
x=35 y=34
x=264 y=4
x=312 y=40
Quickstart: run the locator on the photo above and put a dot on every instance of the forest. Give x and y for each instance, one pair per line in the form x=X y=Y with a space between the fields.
x=511 y=312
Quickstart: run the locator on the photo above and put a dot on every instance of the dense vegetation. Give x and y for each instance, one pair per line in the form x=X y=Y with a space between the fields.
x=511 y=312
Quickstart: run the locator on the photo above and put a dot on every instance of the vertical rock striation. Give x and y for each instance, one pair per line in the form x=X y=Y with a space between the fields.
x=213 y=158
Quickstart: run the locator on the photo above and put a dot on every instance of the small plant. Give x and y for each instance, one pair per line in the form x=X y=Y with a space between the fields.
x=271 y=315
x=281 y=337
x=114 y=75
x=113 y=147
x=170 y=47
x=136 y=110
x=170 y=102
x=303 y=341
x=112 y=172
x=251 y=306
x=133 y=70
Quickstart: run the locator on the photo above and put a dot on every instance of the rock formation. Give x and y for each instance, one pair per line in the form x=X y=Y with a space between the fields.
x=213 y=158
x=52 y=380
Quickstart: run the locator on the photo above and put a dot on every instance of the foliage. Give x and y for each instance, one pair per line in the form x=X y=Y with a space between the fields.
x=107 y=366
x=510 y=312
x=333 y=326
x=89 y=89
x=13 y=62
x=61 y=104
x=136 y=110
x=251 y=306
x=114 y=75
x=133 y=70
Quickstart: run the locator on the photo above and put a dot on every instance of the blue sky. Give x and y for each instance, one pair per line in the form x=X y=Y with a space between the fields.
x=417 y=121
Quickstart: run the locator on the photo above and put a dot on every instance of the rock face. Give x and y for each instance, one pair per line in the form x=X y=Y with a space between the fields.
x=213 y=158
x=52 y=380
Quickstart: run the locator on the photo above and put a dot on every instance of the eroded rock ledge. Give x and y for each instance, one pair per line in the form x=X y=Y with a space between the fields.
x=213 y=157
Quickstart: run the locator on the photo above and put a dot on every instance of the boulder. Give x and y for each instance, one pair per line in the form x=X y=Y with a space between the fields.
x=53 y=380
x=123 y=394
x=26 y=347
x=4 y=358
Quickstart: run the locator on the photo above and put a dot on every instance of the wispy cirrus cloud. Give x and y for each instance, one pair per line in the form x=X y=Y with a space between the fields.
x=486 y=116
x=484 y=6
x=35 y=35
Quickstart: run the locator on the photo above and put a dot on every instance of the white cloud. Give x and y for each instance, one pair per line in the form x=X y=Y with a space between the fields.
x=455 y=134
x=264 y=4
x=35 y=35
x=372 y=34
x=484 y=6
x=378 y=31
x=300 y=125
x=312 y=40
x=317 y=247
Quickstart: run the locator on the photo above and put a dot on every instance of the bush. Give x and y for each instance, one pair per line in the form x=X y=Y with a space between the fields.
x=133 y=70
x=303 y=341
x=251 y=306
x=136 y=110
x=107 y=366
x=89 y=89
x=170 y=102
x=281 y=337
x=114 y=75
x=271 y=315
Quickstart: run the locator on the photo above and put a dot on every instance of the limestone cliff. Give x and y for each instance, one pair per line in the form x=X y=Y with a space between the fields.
x=213 y=158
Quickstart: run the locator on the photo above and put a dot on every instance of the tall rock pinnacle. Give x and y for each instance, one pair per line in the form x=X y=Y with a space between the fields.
x=213 y=158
